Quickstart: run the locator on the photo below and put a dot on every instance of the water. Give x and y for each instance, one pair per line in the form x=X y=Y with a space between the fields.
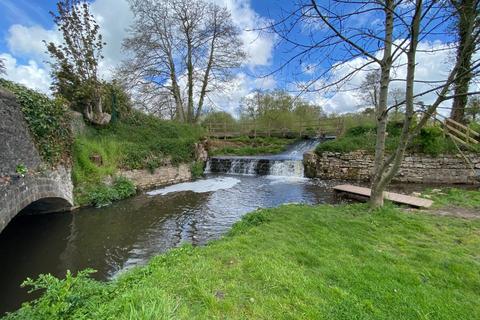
x=288 y=163
x=129 y=232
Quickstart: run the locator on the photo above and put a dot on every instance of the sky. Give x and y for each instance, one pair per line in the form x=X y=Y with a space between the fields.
x=26 y=23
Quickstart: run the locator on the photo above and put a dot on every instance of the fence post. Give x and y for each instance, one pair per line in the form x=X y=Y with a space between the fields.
x=224 y=129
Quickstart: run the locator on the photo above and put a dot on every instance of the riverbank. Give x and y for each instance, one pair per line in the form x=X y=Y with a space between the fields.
x=295 y=261
x=105 y=160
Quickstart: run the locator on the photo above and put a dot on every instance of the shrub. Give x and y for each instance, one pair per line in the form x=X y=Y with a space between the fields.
x=430 y=140
x=197 y=169
x=68 y=298
x=103 y=195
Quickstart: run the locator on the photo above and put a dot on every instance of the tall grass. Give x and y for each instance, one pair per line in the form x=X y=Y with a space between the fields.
x=137 y=142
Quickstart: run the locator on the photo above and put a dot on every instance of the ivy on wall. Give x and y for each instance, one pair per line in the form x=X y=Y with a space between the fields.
x=48 y=122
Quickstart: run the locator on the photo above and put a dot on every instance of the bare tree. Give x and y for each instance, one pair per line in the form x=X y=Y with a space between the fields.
x=370 y=89
x=75 y=61
x=343 y=41
x=466 y=11
x=184 y=46
x=370 y=93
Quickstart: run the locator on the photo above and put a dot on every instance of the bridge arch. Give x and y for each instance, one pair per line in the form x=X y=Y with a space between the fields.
x=50 y=191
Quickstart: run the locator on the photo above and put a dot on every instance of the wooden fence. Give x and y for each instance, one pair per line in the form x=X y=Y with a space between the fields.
x=311 y=128
x=457 y=131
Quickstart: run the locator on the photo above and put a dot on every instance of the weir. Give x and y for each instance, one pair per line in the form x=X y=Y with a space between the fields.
x=288 y=163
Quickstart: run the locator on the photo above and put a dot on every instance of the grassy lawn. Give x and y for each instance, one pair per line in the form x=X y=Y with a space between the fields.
x=469 y=199
x=295 y=262
x=245 y=146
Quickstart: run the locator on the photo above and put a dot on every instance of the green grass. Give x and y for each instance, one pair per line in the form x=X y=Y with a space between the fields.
x=294 y=262
x=137 y=142
x=245 y=146
x=430 y=141
x=454 y=197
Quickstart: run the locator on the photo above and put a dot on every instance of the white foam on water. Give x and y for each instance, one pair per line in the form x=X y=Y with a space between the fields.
x=288 y=168
x=286 y=179
x=199 y=186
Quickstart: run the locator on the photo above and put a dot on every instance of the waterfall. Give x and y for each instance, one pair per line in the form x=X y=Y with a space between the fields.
x=290 y=168
x=288 y=163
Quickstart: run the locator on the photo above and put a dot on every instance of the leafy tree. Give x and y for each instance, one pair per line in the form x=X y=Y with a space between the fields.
x=473 y=108
x=277 y=110
x=219 y=120
x=75 y=61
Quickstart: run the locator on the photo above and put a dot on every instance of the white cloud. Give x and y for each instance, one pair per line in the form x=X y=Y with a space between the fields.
x=266 y=83
x=30 y=74
x=114 y=25
x=28 y=41
x=258 y=45
x=433 y=64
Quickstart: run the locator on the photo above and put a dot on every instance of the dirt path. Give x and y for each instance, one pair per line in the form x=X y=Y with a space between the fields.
x=453 y=211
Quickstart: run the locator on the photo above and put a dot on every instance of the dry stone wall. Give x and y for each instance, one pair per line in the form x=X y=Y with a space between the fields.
x=169 y=174
x=16 y=143
x=445 y=169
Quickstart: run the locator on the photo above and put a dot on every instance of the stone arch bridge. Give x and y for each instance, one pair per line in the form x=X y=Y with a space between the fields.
x=40 y=190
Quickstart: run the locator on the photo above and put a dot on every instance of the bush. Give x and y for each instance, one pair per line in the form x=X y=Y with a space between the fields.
x=47 y=120
x=197 y=169
x=430 y=140
x=67 y=298
x=103 y=195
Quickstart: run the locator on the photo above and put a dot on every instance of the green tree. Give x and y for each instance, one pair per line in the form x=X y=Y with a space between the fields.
x=75 y=61
x=473 y=108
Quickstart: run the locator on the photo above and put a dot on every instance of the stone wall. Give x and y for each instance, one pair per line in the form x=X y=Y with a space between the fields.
x=48 y=191
x=16 y=143
x=169 y=174
x=444 y=169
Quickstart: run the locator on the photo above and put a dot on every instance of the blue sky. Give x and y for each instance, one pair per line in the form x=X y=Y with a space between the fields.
x=25 y=23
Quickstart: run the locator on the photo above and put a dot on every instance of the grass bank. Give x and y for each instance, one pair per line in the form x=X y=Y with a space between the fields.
x=138 y=141
x=246 y=146
x=430 y=141
x=294 y=262
x=455 y=197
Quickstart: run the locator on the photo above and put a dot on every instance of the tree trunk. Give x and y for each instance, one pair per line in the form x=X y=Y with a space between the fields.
x=466 y=10
x=376 y=198
x=390 y=167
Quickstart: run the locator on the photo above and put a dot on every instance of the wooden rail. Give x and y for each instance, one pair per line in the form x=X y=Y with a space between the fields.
x=322 y=127
x=457 y=131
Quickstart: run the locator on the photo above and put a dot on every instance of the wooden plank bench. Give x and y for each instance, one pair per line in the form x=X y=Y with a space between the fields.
x=394 y=197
